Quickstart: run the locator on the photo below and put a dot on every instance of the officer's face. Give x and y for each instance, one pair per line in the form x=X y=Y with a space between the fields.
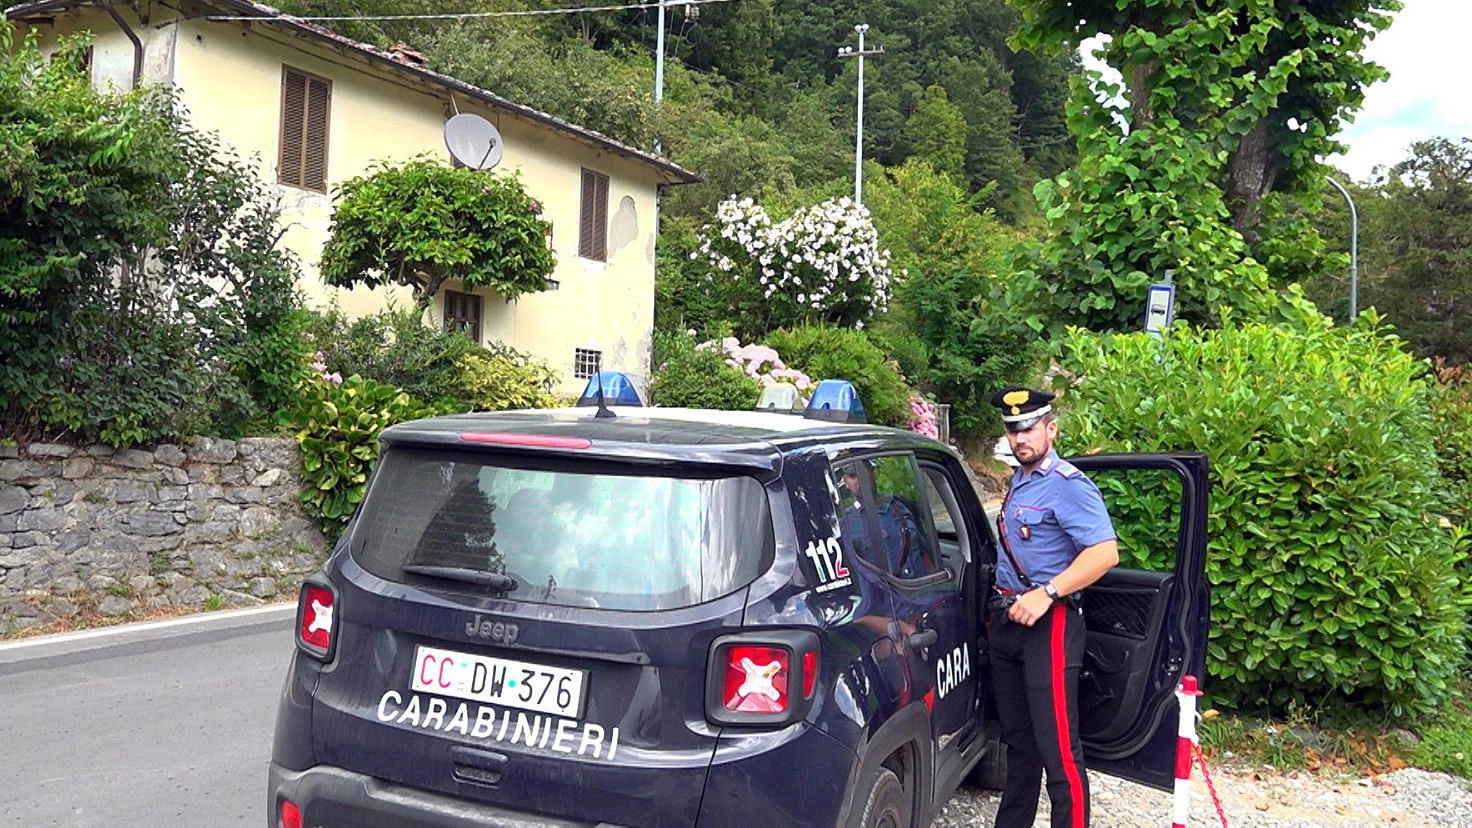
x=1033 y=444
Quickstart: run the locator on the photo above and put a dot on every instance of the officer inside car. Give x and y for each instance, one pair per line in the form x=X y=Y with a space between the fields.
x=1057 y=539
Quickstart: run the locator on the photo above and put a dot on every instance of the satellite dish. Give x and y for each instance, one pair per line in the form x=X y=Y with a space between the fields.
x=473 y=141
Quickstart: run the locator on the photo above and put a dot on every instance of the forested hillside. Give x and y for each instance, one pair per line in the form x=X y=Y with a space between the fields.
x=755 y=96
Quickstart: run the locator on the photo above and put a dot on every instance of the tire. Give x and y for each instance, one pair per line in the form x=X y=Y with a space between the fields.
x=991 y=772
x=886 y=806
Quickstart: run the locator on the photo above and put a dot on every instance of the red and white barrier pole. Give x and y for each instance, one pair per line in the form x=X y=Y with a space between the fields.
x=1186 y=693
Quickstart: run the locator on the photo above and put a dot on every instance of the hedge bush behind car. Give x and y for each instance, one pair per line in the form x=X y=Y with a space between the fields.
x=1333 y=579
x=692 y=377
x=825 y=352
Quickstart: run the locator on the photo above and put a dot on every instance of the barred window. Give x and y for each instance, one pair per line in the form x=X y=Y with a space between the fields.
x=586 y=362
x=462 y=313
x=306 y=101
x=593 y=224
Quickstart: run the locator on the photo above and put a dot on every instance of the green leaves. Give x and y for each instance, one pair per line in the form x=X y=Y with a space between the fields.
x=423 y=223
x=1332 y=578
x=337 y=427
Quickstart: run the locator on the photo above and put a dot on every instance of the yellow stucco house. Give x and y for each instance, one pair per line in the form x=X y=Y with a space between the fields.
x=318 y=109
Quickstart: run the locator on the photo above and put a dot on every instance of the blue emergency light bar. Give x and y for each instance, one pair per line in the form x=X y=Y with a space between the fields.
x=618 y=389
x=837 y=401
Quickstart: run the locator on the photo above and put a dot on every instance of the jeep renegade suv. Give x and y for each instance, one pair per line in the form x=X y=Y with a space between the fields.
x=676 y=618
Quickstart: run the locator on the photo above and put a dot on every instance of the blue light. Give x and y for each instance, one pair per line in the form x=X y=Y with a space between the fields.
x=618 y=389
x=838 y=401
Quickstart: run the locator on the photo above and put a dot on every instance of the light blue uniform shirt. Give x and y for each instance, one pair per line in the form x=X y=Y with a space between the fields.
x=1050 y=515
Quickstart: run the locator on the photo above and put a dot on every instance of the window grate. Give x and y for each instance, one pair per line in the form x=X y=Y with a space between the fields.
x=586 y=362
x=462 y=313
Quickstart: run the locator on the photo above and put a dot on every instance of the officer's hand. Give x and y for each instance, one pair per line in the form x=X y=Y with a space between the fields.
x=1030 y=607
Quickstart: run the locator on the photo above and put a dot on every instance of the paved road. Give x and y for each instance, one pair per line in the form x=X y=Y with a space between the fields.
x=143 y=725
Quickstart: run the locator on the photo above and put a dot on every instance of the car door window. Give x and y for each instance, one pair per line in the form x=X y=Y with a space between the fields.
x=953 y=543
x=886 y=517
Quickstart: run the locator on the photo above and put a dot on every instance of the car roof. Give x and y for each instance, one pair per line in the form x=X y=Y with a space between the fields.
x=753 y=439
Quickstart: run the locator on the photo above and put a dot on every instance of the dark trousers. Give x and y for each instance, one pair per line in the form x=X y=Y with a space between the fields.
x=1035 y=680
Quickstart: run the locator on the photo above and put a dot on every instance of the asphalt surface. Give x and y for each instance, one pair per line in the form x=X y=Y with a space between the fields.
x=166 y=723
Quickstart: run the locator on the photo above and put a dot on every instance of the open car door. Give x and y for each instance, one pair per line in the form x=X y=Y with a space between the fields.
x=1147 y=618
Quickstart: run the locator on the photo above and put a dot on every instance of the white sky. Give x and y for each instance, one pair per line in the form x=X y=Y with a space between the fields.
x=1428 y=94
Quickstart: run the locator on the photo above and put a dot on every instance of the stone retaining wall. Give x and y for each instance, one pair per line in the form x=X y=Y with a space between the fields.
x=127 y=533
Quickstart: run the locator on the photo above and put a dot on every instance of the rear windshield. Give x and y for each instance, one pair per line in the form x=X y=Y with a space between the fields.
x=568 y=536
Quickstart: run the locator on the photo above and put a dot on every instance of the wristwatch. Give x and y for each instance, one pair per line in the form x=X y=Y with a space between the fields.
x=1052 y=591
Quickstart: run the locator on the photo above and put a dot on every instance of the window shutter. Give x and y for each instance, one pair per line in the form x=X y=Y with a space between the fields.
x=293 y=110
x=306 y=104
x=314 y=157
x=593 y=219
x=600 y=229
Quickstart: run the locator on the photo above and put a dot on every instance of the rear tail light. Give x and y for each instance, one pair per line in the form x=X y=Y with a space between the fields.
x=757 y=679
x=291 y=816
x=762 y=678
x=316 y=620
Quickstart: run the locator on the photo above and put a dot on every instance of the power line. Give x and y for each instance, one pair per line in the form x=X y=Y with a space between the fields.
x=467 y=15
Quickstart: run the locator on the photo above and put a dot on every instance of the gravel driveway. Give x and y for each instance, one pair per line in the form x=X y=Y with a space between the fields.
x=1260 y=797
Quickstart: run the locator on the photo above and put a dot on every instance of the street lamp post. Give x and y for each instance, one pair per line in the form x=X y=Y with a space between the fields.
x=1354 y=250
x=860 y=53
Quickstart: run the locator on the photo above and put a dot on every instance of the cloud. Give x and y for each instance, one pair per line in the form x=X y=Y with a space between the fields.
x=1426 y=52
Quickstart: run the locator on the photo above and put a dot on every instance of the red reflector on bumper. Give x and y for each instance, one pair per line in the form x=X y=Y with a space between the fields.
x=291 y=817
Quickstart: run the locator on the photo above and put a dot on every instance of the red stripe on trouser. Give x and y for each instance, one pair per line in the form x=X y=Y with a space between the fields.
x=1059 y=662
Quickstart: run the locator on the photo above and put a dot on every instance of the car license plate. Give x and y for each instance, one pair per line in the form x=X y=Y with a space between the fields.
x=500 y=681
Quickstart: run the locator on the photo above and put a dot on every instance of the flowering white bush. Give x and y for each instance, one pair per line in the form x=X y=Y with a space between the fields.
x=823 y=263
x=759 y=362
x=922 y=417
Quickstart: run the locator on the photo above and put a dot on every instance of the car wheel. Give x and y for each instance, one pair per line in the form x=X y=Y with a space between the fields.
x=886 y=806
x=991 y=772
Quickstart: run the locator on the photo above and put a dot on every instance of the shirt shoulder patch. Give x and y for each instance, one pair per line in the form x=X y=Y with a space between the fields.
x=1067 y=469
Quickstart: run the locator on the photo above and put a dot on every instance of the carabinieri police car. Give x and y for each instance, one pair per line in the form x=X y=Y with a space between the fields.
x=666 y=617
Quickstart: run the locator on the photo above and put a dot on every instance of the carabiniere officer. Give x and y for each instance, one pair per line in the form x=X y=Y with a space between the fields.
x=1057 y=538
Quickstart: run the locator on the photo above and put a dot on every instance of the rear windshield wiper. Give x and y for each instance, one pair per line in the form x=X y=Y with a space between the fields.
x=495 y=581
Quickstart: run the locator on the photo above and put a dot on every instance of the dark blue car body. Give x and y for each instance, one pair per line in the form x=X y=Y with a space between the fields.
x=624 y=716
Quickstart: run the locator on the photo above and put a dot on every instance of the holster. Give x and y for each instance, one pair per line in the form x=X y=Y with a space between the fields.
x=999 y=603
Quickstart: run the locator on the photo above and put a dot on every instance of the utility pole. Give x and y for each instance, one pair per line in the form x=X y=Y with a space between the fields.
x=1354 y=250
x=860 y=53
x=659 y=73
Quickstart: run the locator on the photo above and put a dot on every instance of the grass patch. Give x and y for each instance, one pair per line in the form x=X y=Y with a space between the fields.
x=1446 y=739
x=214 y=601
x=1304 y=740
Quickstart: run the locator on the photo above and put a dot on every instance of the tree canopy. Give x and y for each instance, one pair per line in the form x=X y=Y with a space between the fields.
x=422 y=224
x=1223 y=111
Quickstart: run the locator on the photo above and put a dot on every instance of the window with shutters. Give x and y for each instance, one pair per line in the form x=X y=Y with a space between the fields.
x=593 y=227
x=306 y=101
x=462 y=313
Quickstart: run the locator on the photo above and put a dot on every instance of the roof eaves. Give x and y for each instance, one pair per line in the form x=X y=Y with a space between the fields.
x=672 y=172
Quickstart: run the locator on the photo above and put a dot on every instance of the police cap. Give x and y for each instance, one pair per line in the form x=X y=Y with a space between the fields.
x=1022 y=407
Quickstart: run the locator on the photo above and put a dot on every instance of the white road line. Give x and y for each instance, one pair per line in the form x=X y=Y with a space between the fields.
x=144 y=626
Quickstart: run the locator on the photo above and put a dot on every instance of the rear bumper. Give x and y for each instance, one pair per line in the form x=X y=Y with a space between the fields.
x=328 y=796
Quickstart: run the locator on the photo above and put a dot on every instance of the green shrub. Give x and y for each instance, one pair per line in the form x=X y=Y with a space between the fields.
x=502 y=378
x=690 y=376
x=1451 y=409
x=844 y=353
x=395 y=347
x=337 y=427
x=1332 y=580
x=142 y=294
